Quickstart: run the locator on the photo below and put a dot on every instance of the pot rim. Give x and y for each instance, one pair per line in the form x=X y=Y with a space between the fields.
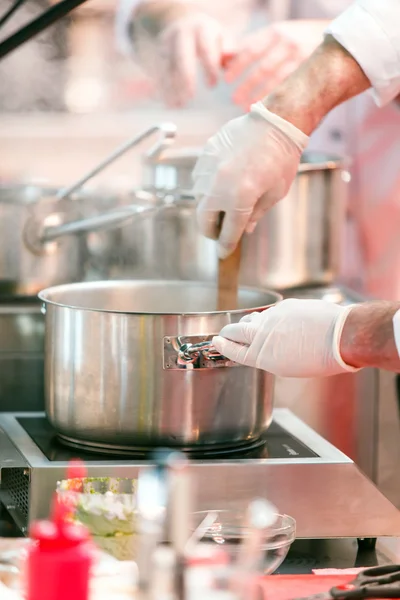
x=108 y=283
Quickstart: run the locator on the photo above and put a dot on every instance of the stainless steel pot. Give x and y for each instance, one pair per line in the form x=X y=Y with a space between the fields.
x=23 y=272
x=99 y=235
x=29 y=263
x=129 y=365
x=296 y=243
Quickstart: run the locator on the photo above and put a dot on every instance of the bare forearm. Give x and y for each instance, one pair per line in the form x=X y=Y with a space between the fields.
x=368 y=337
x=329 y=77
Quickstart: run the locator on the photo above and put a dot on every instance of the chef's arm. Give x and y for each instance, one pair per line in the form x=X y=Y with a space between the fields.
x=361 y=50
x=329 y=77
x=371 y=336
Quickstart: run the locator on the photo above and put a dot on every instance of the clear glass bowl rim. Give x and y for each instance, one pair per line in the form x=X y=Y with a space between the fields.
x=229 y=530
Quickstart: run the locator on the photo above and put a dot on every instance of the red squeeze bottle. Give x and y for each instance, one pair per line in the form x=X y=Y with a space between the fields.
x=58 y=565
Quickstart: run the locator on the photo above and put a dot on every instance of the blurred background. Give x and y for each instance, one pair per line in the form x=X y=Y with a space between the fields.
x=69 y=95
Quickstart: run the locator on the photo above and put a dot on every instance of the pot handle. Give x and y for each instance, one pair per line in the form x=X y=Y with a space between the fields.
x=167 y=135
x=37 y=235
x=193 y=352
x=109 y=219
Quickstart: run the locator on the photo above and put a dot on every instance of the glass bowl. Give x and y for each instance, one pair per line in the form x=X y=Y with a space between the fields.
x=228 y=530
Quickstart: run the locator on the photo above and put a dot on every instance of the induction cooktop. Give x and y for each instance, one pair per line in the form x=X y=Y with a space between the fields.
x=293 y=466
x=276 y=443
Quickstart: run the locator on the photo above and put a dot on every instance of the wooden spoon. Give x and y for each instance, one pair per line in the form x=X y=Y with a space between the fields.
x=228 y=278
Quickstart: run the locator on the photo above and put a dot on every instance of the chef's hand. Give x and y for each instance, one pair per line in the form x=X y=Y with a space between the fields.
x=294 y=338
x=244 y=169
x=267 y=56
x=183 y=37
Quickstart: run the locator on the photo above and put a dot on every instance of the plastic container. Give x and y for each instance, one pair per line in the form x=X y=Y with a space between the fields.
x=228 y=531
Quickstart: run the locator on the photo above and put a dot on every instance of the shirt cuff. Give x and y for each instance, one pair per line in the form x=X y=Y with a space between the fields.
x=122 y=23
x=366 y=31
x=396 y=330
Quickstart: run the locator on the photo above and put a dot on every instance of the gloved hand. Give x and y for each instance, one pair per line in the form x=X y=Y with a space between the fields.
x=185 y=38
x=244 y=169
x=267 y=56
x=191 y=39
x=294 y=338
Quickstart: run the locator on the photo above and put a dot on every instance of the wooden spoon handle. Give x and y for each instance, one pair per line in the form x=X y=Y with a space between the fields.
x=228 y=278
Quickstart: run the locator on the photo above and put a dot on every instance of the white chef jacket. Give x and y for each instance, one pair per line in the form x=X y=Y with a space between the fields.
x=370 y=31
x=396 y=329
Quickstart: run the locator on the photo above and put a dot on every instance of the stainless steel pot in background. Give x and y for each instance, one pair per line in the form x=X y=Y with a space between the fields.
x=22 y=271
x=128 y=364
x=296 y=243
x=45 y=232
x=98 y=235
x=29 y=264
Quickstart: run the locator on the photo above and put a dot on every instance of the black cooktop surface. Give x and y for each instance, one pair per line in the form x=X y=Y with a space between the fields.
x=277 y=443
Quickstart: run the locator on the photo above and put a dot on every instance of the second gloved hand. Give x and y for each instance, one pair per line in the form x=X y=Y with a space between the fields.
x=265 y=57
x=295 y=338
x=244 y=169
x=172 y=39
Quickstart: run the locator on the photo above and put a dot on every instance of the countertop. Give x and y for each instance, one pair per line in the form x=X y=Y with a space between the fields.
x=304 y=555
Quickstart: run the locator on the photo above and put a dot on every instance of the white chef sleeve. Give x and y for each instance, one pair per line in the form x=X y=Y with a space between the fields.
x=396 y=330
x=122 y=22
x=124 y=15
x=370 y=31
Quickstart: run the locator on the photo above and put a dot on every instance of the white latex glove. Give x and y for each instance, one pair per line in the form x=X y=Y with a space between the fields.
x=7 y=593
x=294 y=338
x=267 y=56
x=194 y=38
x=244 y=169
